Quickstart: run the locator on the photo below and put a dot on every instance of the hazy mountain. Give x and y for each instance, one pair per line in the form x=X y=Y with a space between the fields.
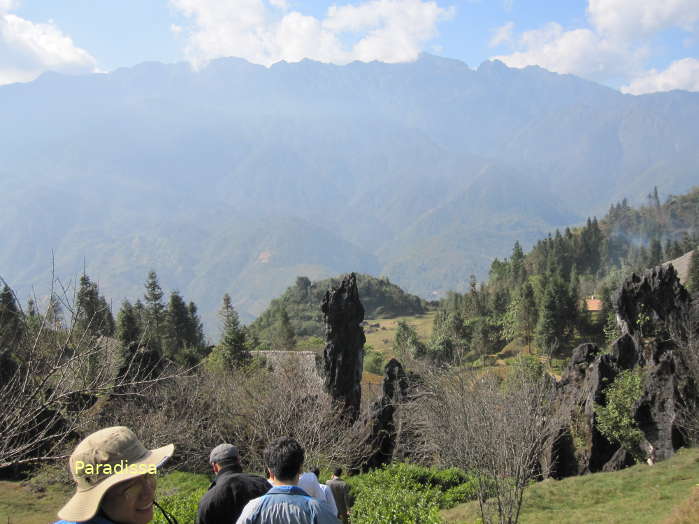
x=238 y=178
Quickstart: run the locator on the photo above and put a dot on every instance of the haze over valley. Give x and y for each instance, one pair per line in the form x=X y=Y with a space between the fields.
x=239 y=178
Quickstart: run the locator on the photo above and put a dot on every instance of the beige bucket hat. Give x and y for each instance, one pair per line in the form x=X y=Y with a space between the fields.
x=105 y=458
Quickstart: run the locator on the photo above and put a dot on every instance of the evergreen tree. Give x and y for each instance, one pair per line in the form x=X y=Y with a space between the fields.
x=33 y=316
x=655 y=254
x=232 y=350
x=177 y=328
x=557 y=315
x=693 y=277
x=11 y=321
x=519 y=273
x=283 y=337
x=547 y=328
x=92 y=314
x=128 y=330
x=527 y=315
x=154 y=310
x=87 y=311
x=195 y=334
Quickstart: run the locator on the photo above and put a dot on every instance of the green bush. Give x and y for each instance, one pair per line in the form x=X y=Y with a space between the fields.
x=182 y=506
x=373 y=362
x=179 y=494
x=459 y=494
x=390 y=505
x=616 y=420
x=450 y=478
x=406 y=493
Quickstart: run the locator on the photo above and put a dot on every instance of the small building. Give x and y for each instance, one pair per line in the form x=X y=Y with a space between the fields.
x=593 y=304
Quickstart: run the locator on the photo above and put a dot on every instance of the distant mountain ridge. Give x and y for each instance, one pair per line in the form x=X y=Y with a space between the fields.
x=238 y=178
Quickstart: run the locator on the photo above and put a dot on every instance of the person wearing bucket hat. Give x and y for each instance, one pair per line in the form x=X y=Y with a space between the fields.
x=115 y=479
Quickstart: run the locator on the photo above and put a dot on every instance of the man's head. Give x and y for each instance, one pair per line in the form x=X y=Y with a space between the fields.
x=338 y=472
x=223 y=455
x=284 y=459
x=316 y=472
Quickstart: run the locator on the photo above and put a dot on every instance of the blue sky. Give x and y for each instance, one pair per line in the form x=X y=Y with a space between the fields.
x=637 y=46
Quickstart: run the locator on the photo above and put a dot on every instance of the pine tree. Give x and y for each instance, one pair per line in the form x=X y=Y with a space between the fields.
x=128 y=330
x=33 y=316
x=195 y=334
x=527 y=315
x=557 y=315
x=656 y=252
x=11 y=321
x=176 y=329
x=693 y=277
x=519 y=273
x=154 y=310
x=108 y=324
x=87 y=311
x=547 y=325
x=232 y=350
x=92 y=314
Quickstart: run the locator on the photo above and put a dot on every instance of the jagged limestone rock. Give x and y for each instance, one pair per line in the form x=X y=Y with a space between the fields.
x=343 y=356
x=380 y=440
x=652 y=311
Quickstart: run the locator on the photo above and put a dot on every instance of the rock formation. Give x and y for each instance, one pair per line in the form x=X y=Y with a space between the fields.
x=652 y=312
x=380 y=440
x=344 y=354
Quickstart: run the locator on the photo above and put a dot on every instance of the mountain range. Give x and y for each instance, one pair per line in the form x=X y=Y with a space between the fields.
x=238 y=178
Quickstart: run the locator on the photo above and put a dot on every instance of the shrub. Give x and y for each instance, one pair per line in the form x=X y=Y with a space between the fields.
x=182 y=506
x=460 y=494
x=408 y=493
x=391 y=505
x=616 y=420
x=373 y=362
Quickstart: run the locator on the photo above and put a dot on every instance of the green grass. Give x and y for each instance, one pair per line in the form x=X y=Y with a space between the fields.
x=641 y=494
x=21 y=504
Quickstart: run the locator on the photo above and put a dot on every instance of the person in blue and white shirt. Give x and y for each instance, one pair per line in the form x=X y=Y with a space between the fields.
x=285 y=503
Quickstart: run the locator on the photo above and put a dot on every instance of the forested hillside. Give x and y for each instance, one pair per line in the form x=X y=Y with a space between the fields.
x=560 y=292
x=299 y=307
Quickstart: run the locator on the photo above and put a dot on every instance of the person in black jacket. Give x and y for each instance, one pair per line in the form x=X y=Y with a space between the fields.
x=231 y=488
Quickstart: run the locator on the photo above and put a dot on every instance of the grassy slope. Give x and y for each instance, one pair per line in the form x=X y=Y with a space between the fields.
x=381 y=338
x=665 y=493
x=21 y=505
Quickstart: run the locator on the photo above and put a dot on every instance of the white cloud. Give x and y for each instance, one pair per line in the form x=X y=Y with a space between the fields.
x=8 y=5
x=502 y=34
x=629 y=19
x=681 y=74
x=264 y=33
x=27 y=49
x=615 y=46
x=580 y=51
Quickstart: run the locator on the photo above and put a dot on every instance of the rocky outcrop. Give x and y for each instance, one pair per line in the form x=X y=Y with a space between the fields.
x=380 y=441
x=652 y=312
x=344 y=355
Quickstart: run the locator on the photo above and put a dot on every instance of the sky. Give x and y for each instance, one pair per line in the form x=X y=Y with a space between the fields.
x=636 y=46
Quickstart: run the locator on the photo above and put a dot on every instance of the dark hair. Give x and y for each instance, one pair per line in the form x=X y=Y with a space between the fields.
x=338 y=472
x=284 y=458
x=316 y=472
